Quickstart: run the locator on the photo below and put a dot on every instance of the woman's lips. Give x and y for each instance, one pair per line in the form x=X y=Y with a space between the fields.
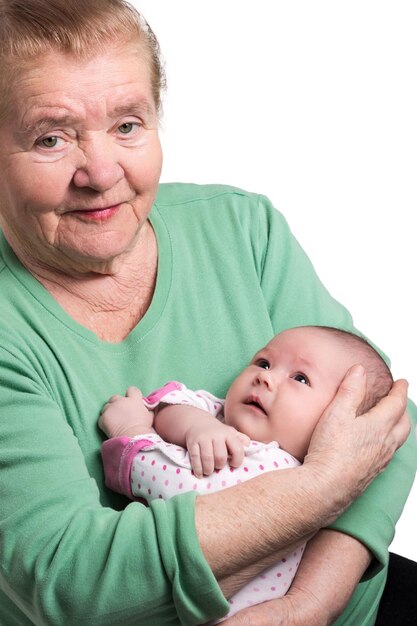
x=96 y=214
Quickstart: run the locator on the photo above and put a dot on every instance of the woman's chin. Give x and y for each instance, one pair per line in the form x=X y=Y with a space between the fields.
x=101 y=257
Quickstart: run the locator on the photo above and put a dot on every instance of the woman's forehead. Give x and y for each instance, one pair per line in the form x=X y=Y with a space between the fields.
x=65 y=84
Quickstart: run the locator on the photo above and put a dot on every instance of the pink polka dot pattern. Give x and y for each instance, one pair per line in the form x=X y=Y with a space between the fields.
x=170 y=468
x=165 y=470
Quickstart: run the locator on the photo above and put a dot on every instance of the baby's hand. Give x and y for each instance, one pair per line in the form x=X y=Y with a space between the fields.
x=211 y=444
x=126 y=415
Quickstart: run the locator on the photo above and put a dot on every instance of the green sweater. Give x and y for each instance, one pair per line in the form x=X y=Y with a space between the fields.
x=230 y=276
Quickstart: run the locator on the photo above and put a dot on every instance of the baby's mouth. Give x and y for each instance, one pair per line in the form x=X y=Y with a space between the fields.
x=255 y=402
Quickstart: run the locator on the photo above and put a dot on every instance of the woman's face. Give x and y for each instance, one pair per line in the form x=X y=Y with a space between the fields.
x=80 y=160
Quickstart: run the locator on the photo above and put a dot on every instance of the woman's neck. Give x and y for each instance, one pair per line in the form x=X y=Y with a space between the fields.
x=109 y=304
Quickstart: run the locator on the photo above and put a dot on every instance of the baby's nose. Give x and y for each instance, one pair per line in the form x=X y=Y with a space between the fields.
x=264 y=378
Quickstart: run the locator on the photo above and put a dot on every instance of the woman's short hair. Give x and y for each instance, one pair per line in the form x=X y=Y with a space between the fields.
x=81 y=28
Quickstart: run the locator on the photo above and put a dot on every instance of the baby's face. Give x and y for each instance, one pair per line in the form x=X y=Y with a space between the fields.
x=281 y=395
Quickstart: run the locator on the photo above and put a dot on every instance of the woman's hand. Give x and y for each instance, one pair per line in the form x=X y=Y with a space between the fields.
x=346 y=453
x=272 y=613
x=332 y=565
x=357 y=448
x=303 y=611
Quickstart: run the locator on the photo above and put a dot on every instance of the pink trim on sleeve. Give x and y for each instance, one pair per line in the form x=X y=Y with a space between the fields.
x=156 y=396
x=118 y=454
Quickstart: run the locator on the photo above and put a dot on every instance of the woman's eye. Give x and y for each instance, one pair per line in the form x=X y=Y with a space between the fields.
x=49 y=142
x=300 y=378
x=263 y=363
x=127 y=128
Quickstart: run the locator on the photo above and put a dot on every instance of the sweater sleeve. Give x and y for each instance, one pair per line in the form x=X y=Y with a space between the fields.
x=73 y=561
x=295 y=297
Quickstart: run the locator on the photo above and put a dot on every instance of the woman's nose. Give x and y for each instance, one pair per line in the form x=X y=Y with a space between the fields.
x=98 y=168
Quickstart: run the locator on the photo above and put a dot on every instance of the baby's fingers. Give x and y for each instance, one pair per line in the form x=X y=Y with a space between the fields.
x=209 y=454
x=236 y=448
x=112 y=399
x=243 y=438
x=220 y=453
x=195 y=459
x=133 y=392
x=106 y=418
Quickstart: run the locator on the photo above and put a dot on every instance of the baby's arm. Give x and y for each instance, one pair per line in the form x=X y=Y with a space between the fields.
x=210 y=443
x=126 y=415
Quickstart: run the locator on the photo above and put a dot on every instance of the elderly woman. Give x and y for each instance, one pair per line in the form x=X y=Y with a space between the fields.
x=109 y=281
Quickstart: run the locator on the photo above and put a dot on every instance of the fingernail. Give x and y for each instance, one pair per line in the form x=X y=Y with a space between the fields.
x=357 y=371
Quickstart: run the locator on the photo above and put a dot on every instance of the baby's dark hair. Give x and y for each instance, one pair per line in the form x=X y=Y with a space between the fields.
x=379 y=377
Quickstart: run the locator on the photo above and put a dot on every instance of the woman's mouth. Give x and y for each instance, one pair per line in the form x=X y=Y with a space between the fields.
x=96 y=214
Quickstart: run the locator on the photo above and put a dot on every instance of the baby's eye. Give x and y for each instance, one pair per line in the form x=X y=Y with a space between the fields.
x=301 y=378
x=263 y=363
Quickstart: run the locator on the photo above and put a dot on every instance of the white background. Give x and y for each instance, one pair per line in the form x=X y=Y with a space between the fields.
x=315 y=105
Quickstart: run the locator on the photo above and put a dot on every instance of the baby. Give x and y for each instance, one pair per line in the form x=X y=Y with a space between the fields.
x=265 y=423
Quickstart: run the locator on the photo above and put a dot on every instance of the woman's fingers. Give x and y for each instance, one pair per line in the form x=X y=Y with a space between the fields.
x=393 y=409
x=390 y=423
x=341 y=412
x=353 y=449
x=351 y=392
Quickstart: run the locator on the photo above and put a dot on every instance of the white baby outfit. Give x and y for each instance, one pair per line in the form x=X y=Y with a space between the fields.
x=162 y=470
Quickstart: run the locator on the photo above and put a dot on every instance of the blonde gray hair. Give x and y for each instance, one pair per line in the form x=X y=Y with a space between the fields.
x=81 y=28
